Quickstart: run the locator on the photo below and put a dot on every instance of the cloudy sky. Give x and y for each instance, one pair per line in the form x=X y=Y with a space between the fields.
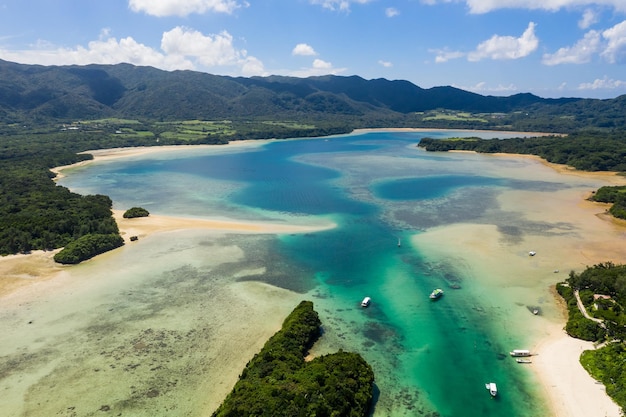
x=552 y=48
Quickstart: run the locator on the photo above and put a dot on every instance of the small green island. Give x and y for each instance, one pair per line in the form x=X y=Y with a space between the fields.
x=278 y=381
x=134 y=212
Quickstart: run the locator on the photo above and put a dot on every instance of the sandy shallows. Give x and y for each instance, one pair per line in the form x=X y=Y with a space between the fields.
x=163 y=327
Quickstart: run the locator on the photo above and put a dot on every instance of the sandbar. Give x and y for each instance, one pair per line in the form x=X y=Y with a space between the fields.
x=144 y=226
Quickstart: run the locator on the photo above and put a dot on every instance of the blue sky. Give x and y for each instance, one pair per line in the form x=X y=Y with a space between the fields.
x=551 y=48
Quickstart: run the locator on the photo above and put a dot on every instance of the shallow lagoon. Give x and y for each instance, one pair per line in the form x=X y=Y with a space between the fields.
x=378 y=187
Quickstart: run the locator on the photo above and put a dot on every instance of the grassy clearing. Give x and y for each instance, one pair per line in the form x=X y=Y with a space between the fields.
x=289 y=124
x=194 y=130
x=454 y=116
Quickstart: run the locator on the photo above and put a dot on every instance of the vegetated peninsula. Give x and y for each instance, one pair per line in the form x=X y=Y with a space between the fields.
x=278 y=381
x=596 y=301
x=584 y=150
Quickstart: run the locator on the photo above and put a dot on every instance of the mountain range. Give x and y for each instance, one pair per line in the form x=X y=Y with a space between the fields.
x=43 y=93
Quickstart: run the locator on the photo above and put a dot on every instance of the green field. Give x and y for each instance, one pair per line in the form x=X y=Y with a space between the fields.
x=454 y=116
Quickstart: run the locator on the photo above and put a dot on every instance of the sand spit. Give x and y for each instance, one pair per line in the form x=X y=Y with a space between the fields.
x=144 y=226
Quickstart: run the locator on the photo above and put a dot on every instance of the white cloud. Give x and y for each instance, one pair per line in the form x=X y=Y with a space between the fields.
x=580 y=53
x=589 y=18
x=252 y=66
x=486 y=6
x=506 y=47
x=603 y=84
x=484 y=88
x=303 y=49
x=391 y=12
x=318 y=67
x=609 y=44
x=321 y=65
x=103 y=51
x=615 y=50
x=338 y=5
x=385 y=64
x=181 y=48
x=161 y=8
x=496 y=48
x=210 y=51
x=445 y=55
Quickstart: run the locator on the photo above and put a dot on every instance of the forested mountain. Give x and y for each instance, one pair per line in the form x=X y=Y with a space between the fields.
x=33 y=93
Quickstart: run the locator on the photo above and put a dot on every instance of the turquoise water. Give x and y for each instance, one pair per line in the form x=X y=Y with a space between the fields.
x=430 y=358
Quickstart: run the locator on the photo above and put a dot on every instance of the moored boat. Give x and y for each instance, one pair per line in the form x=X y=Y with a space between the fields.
x=436 y=294
x=366 y=302
x=520 y=352
x=493 y=389
x=519 y=360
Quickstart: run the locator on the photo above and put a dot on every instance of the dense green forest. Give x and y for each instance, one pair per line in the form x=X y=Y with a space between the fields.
x=88 y=246
x=602 y=290
x=616 y=195
x=584 y=150
x=37 y=214
x=278 y=382
x=577 y=325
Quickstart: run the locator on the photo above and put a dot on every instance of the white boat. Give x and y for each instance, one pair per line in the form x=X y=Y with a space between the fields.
x=436 y=294
x=518 y=360
x=520 y=352
x=493 y=389
x=399 y=243
x=366 y=302
x=532 y=253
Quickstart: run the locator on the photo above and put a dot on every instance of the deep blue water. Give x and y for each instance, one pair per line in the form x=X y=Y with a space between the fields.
x=428 y=356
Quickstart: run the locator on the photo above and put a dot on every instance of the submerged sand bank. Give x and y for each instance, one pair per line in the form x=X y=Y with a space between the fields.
x=174 y=330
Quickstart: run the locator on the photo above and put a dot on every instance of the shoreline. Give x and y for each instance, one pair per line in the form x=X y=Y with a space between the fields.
x=109 y=154
x=425 y=129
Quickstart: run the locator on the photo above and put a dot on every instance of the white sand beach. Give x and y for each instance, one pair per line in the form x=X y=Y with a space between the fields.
x=573 y=393
x=144 y=226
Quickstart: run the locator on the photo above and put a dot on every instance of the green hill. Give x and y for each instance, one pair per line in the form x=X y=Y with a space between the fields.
x=37 y=94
